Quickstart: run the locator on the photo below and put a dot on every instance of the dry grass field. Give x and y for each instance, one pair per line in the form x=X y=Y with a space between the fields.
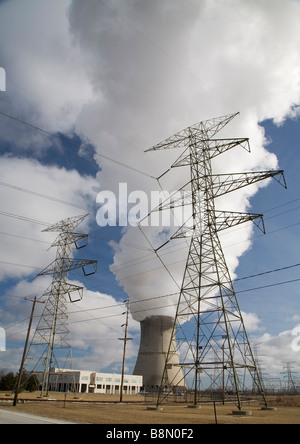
x=100 y=409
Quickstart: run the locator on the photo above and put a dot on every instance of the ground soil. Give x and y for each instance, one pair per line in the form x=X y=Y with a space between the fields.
x=101 y=409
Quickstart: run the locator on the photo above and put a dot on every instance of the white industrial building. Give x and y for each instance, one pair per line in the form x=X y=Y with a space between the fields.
x=62 y=380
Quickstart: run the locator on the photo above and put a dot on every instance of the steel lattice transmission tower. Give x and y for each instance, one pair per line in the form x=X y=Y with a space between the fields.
x=290 y=378
x=53 y=332
x=212 y=342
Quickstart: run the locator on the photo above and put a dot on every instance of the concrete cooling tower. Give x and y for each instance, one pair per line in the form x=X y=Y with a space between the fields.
x=156 y=332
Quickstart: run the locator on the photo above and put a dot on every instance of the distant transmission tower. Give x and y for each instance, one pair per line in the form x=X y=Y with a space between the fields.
x=290 y=378
x=53 y=332
x=209 y=329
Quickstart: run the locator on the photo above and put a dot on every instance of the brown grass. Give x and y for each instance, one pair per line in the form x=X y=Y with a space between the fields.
x=286 y=401
x=136 y=413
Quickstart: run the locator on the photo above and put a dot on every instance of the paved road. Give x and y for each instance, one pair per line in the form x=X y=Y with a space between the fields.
x=10 y=417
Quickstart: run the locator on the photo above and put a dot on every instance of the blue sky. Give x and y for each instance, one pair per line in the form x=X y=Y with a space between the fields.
x=101 y=82
x=278 y=248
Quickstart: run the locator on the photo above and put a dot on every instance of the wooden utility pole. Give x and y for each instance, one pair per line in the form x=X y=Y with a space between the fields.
x=125 y=339
x=25 y=349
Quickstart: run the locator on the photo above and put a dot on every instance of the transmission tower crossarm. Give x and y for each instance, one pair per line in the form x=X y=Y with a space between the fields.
x=220 y=146
x=214 y=147
x=66 y=225
x=67 y=265
x=229 y=219
x=204 y=130
x=66 y=288
x=71 y=238
x=226 y=183
x=185 y=231
x=176 y=199
x=223 y=220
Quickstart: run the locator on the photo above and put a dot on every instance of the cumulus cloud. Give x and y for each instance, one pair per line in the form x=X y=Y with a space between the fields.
x=96 y=324
x=126 y=74
x=129 y=74
x=277 y=349
x=252 y=322
x=23 y=243
x=47 y=82
x=161 y=68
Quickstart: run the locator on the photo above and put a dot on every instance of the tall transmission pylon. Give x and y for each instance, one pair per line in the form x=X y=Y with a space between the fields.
x=52 y=334
x=209 y=328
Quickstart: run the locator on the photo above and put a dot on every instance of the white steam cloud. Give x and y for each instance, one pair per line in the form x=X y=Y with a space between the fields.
x=158 y=67
x=126 y=74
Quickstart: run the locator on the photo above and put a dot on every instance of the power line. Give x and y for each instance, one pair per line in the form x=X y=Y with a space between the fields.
x=121 y=304
x=268 y=272
x=176 y=294
x=23 y=237
x=146 y=309
x=160 y=259
x=19 y=265
x=150 y=257
x=23 y=218
x=56 y=136
x=146 y=258
x=269 y=286
x=175 y=304
x=282 y=205
x=288 y=267
x=43 y=196
x=120 y=267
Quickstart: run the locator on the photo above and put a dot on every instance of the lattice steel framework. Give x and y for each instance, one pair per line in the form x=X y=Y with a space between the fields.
x=209 y=327
x=53 y=331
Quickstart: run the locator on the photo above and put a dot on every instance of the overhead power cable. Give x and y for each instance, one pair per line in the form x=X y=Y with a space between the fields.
x=240 y=291
x=153 y=308
x=23 y=237
x=43 y=196
x=26 y=219
x=19 y=265
x=56 y=136
x=175 y=304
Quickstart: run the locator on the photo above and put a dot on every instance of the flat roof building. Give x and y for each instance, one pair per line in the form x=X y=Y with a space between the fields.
x=62 y=380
